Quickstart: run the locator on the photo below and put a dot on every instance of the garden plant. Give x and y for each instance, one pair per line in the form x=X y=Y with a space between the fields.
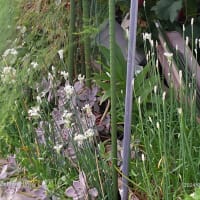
x=99 y=99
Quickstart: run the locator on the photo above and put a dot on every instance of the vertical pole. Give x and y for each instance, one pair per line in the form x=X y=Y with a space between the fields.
x=129 y=96
x=113 y=96
x=71 y=41
x=86 y=17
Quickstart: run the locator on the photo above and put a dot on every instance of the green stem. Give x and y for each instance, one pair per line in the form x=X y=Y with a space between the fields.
x=71 y=41
x=86 y=16
x=113 y=95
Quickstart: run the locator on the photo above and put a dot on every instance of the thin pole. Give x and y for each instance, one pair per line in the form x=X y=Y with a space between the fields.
x=129 y=96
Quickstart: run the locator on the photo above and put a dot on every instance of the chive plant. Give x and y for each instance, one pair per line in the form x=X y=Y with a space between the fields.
x=86 y=16
x=71 y=40
x=113 y=96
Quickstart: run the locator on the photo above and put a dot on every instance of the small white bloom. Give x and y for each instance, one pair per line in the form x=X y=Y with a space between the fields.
x=108 y=74
x=58 y=147
x=163 y=96
x=81 y=78
x=34 y=64
x=183 y=28
x=69 y=91
x=157 y=125
x=39 y=100
x=180 y=75
x=150 y=119
x=79 y=139
x=168 y=55
x=180 y=111
x=89 y=133
x=157 y=63
x=139 y=100
x=187 y=40
x=192 y=21
x=146 y=36
x=142 y=157
x=60 y=53
x=9 y=51
x=87 y=109
x=53 y=69
x=34 y=111
x=144 y=4
x=65 y=74
x=8 y=75
x=67 y=116
x=176 y=47
x=155 y=89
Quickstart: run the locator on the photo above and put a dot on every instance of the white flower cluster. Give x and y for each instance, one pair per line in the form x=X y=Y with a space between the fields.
x=69 y=91
x=147 y=36
x=33 y=112
x=8 y=75
x=9 y=52
x=80 y=138
x=81 y=78
x=34 y=64
x=88 y=110
x=64 y=74
x=67 y=117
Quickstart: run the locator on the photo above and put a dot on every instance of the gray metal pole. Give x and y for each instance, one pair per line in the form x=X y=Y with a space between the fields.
x=129 y=95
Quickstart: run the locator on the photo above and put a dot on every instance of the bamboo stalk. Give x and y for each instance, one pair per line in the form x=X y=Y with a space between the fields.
x=129 y=96
x=86 y=16
x=71 y=41
x=113 y=96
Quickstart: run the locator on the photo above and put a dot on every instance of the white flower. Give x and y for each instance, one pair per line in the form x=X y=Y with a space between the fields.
x=146 y=36
x=22 y=29
x=64 y=74
x=34 y=64
x=8 y=75
x=180 y=111
x=187 y=40
x=180 y=75
x=58 y=147
x=150 y=119
x=155 y=88
x=176 y=47
x=89 y=133
x=9 y=51
x=87 y=109
x=168 y=55
x=39 y=100
x=139 y=100
x=143 y=157
x=79 y=139
x=144 y=4
x=157 y=125
x=183 y=28
x=34 y=111
x=67 y=116
x=163 y=96
x=69 y=90
x=60 y=53
x=192 y=21
x=81 y=78
x=108 y=74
